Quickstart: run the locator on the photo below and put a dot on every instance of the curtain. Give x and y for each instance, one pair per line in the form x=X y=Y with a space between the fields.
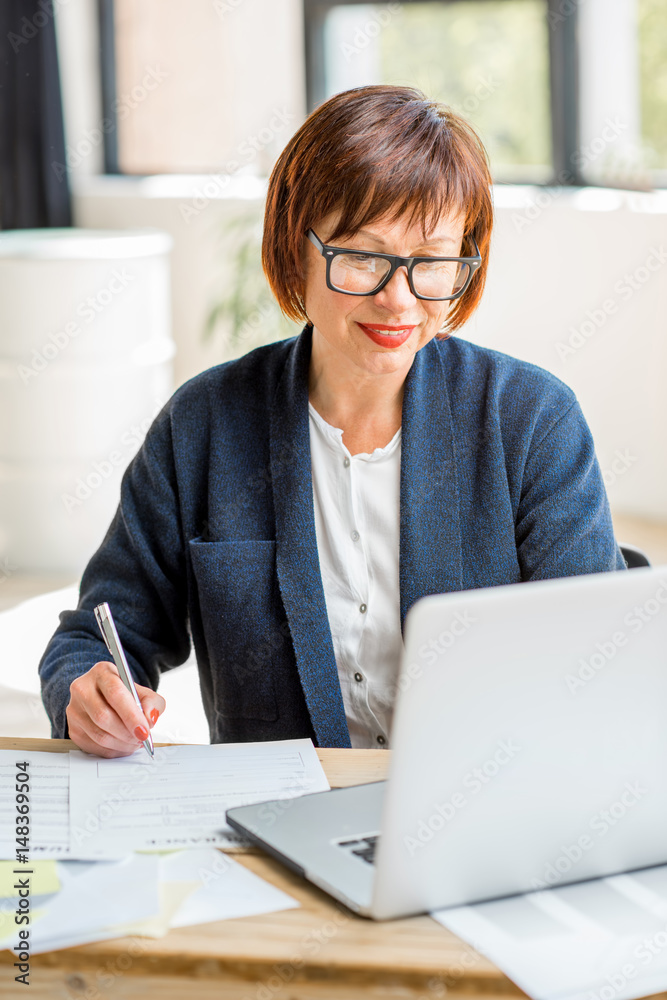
x=34 y=188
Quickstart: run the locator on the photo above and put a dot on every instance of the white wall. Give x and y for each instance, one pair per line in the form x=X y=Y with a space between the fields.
x=557 y=293
x=571 y=288
x=196 y=211
x=578 y=285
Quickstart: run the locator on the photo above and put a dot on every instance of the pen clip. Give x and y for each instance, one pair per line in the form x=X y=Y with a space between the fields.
x=102 y=616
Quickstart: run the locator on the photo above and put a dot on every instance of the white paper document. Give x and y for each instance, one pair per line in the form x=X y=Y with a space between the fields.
x=605 y=939
x=179 y=798
x=145 y=895
x=92 y=897
x=48 y=803
x=225 y=888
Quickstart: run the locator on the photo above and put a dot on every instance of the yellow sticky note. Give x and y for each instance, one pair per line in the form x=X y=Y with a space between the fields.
x=172 y=894
x=43 y=877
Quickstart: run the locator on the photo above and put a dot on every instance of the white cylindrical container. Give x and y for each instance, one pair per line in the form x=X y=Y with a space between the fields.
x=85 y=364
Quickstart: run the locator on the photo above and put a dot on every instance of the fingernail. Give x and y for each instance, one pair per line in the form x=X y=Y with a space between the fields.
x=154 y=714
x=141 y=733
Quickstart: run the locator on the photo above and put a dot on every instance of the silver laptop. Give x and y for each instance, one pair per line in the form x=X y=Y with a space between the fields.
x=529 y=750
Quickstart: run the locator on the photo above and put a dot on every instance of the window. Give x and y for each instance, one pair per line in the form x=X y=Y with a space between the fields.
x=653 y=84
x=203 y=86
x=488 y=60
x=561 y=91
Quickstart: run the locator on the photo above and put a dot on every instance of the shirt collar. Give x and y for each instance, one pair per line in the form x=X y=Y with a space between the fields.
x=333 y=437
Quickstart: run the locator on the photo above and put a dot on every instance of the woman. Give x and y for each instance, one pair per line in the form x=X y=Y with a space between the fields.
x=287 y=508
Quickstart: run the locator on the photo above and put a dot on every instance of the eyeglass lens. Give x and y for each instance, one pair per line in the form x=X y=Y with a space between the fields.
x=363 y=273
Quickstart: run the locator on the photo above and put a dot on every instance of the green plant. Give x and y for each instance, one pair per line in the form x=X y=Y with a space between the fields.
x=248 y=315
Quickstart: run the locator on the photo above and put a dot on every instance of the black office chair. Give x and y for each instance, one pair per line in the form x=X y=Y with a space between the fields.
x=634 y=557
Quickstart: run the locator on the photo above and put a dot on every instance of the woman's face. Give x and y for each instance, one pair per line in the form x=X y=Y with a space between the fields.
x=382 y=332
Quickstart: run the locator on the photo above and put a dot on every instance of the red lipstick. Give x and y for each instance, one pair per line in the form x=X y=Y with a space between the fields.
x=389 y=339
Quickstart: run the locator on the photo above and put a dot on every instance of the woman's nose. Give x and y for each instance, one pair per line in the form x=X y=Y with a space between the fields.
x=396 y=295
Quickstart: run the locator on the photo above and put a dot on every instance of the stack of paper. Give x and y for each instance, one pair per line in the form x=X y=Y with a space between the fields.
x=86 y=807
x=604 y=939
x=74 y=902
x=89 y=816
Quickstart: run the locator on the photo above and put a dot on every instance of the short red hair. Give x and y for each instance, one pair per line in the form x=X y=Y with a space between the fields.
x=370 y=153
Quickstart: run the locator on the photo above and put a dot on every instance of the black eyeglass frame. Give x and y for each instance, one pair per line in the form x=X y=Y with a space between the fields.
x=330 y=253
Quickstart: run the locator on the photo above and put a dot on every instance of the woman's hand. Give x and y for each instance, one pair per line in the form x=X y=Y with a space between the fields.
x=103 y=717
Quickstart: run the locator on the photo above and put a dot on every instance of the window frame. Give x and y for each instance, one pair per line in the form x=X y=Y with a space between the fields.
x=107 y=36
x=563 y=76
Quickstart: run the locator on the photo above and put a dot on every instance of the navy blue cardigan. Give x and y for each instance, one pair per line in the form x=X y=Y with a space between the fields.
x=214 y=537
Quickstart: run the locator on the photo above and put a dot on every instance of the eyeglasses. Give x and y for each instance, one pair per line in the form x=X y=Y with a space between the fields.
x=360 y=272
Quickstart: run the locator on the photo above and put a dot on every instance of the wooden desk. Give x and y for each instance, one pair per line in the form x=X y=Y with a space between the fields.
x=318 y=952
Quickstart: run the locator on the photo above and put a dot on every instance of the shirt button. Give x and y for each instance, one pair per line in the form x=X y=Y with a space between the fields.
x=381 y=740
x=346 y=462
x=358 y=677
x=355 y=536
x=362 y=608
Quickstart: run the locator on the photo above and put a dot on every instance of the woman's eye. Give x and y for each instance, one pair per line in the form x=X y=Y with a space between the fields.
x=358 y=260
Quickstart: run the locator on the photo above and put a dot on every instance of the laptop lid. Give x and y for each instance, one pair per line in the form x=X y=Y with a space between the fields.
x=529 y=740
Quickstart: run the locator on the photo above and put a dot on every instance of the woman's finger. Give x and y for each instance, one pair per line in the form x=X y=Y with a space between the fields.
x=118 y=698
x=152 y=703
x=102 y=711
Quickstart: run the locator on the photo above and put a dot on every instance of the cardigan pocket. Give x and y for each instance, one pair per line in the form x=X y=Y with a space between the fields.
x=240 y=610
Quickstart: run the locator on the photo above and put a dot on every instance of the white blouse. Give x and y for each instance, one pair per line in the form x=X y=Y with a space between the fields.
x=357 y=509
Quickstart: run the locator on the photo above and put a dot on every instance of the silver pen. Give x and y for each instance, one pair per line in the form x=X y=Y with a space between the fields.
x=110 y=636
